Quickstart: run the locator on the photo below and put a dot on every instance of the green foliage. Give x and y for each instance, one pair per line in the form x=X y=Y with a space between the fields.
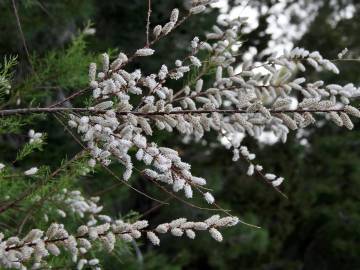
x=28 y=148
x=68 y=67
x=14 y=124
x=6 y=74
x=58 y=70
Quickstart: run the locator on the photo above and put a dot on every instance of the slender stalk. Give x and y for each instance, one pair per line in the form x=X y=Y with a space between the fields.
x=148 y=23
x=22 y=36
x=78 y=93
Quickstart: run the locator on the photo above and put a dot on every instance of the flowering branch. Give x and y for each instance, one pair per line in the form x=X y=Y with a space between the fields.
x=10 y=112
x=38 y=244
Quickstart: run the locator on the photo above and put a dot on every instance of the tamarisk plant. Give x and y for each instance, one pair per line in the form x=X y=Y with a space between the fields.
x=128 y=106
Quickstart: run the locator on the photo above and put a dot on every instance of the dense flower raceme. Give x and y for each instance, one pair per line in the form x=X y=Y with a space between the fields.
x=247 y=99
x=262 y=97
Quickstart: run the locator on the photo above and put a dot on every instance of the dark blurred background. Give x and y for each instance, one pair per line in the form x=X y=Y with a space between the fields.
x=316 y=228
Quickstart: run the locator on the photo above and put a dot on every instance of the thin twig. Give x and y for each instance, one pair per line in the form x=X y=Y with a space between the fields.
x=135 y=189
x=18 y=23
x=267 y=181
x=259 y=172
x=78 y=93
x=155 y=207
x=43 y=8
x=148 y=23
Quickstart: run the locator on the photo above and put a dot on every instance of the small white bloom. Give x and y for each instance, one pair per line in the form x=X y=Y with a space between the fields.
x=162 y=228
x=126 y=237
x=81 y=264
x=94 y=262
x=188 y=191
x=141 y=224
x=90 y=31
x=92 y=72
x=201 y=226
x=105 y=62
x=250 y=170
x=178 y=63
x=209 y=198
x=198 y=181
x=31 y=133
x=270 y=176
x=195 y=61
x=197 y=9
x=92 y=163
x=277 y=182
x=346 y=121
x=61 y=213
x=215 y=234
x=177 y=232
x=144 y=52
x=153 y=238
x=174 y=15
x=352 y=111
x=31 y=171
x=343 y=53
x=157 y=31
x=53 y=249
x=34 y=136
x=168 y=28
x=190 y=233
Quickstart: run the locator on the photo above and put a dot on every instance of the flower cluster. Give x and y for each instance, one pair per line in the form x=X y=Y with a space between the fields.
x=258 y=101
x=31 y=171
x=35 y=137
x=249 y=99
x=249 y=157
x=74 y=202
